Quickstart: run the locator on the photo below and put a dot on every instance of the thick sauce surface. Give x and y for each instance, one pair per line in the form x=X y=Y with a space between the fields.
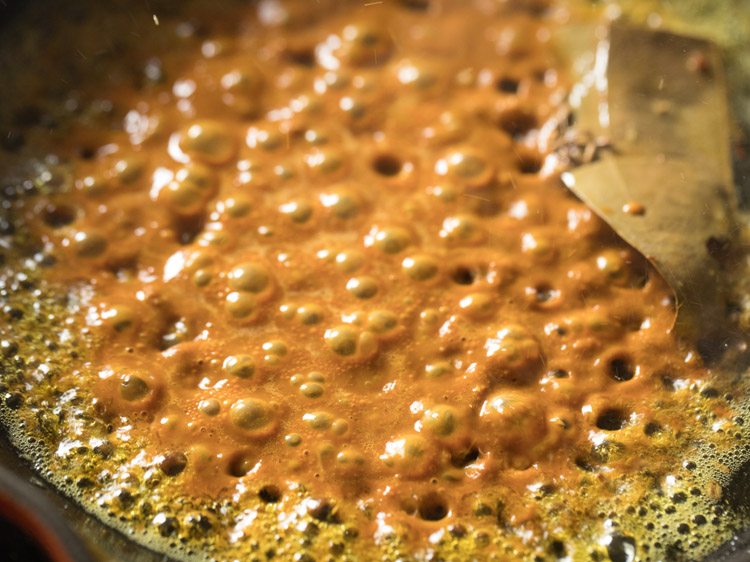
x=327 y=271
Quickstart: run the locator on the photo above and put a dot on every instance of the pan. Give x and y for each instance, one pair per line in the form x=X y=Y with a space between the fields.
x=48 y=526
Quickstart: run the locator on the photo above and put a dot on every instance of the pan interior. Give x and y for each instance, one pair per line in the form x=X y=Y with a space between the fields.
x=297 y=282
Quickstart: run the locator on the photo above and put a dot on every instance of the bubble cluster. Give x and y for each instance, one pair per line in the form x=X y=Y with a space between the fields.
x=326 y=298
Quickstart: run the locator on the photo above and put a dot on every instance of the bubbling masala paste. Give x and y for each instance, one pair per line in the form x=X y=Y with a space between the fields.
x=312 y=289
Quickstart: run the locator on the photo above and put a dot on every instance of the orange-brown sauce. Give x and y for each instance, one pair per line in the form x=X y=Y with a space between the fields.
x=332 y=251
